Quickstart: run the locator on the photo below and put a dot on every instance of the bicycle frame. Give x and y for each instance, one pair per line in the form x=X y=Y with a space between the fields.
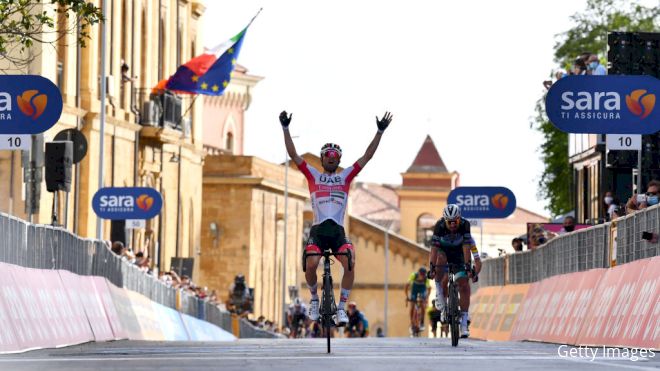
x=328 y=307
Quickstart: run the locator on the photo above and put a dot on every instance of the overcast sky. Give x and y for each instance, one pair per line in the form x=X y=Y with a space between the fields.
x=467 y=73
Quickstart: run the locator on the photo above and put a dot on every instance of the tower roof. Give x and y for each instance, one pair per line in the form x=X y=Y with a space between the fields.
x=428 y=159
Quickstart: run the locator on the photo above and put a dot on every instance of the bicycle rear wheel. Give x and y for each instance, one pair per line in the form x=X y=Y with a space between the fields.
x=452 y=312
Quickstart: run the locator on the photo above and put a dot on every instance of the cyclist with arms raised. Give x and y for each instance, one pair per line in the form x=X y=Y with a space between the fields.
x=453 y=244
x=329 y=195
x=420 y=285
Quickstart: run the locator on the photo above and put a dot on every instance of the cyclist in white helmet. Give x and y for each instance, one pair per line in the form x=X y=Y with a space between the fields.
x=452 y=243
x=329 y=196
x=296 y=315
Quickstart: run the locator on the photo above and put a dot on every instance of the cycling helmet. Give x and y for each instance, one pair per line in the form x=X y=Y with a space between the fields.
x=330 y=147
x=239 y=278
x=297 y=302
x=451 y=212
x=352 y=304
x=422 y=270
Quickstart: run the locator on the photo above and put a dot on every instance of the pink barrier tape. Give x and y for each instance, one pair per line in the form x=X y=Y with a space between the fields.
x=533 y=310
x=124 y=308
x=625 y=311
x=101 y=286
x=171 y=323
x=71 y=326
x=82 y=288
x=199 y=330
x=10 y=314
x=149 y=323
x=75 y=291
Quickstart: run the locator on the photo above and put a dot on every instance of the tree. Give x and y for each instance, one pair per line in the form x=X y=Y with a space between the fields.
x=26 y=22
x=589 y=34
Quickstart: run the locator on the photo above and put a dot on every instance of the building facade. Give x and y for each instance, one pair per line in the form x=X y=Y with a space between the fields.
x=145 y=142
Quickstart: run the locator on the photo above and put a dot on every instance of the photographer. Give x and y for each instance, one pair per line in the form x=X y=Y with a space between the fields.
x=642 y=201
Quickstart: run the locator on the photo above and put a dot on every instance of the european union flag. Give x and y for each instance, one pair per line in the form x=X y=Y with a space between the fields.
x=209 y=73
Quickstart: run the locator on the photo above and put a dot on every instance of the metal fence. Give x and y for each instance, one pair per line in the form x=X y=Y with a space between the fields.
x=47 y=247
x=578 y=251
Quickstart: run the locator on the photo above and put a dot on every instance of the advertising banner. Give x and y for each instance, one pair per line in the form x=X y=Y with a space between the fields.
x=127 y=203
x=604 y=104
x=29 y=104
x=483 y=202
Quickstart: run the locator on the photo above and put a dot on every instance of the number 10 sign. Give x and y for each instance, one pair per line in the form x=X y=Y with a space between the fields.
x=624 y=142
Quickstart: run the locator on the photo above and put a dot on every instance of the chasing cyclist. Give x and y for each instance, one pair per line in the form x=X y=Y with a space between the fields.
x=421 y=286
x=454 y=244
x=297 y=317
x=329 y=196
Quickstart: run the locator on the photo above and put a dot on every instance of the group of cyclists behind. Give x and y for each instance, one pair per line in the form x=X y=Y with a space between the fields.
x=451 y=242
x=301 y=326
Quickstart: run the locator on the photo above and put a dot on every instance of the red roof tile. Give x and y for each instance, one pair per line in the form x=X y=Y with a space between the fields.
x=428 y=159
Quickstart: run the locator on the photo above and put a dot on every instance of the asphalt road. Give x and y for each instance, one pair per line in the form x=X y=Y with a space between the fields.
x=309 y=354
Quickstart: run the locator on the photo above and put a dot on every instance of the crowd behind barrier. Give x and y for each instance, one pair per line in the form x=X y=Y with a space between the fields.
x=51 y=248
x=600 y=246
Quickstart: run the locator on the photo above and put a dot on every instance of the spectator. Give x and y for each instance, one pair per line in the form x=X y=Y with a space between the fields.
x=579 y=67
x=118 y=248
x=139 y=257
x=594 y=67
x=642 y=201
x=609 y=204
x=379 y=332
x=517 y=244
x=434 y=318
x=569 y=225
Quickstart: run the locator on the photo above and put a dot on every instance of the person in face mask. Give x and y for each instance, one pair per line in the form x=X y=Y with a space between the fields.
x=642 y=201
x=609 y=204
x=569 y=225
x=594 y=67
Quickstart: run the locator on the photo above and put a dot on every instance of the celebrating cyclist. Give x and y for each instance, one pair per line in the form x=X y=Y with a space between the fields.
x=453 y=244
x=329 y=196
x=421 y=286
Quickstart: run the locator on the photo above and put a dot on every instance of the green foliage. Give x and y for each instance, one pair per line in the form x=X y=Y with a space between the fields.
x=589 y=34
x=24 y=23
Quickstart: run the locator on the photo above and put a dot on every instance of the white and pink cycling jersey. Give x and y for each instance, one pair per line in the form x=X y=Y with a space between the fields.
x=329 y=192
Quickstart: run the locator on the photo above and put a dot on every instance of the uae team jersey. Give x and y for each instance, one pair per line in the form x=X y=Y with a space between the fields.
x=329 y=192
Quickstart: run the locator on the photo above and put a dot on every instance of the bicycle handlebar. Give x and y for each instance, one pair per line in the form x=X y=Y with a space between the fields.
x=328 y=253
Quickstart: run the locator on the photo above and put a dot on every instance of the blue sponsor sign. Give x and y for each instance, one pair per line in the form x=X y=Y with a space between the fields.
x=605 y=104
x=127 y=203
x=483 y=202
x=29 y=104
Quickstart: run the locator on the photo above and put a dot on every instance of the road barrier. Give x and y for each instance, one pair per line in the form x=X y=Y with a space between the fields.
x=50 y=249
x=600 y=246
x=617 y=307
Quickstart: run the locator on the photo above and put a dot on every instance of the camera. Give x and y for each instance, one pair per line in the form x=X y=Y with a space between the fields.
x=641 y=199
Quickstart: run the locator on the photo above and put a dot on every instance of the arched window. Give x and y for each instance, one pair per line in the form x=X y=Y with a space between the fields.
x=229 y=146
x=425 y=223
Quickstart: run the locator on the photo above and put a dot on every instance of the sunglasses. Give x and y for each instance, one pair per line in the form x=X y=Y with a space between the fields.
x=331 y=153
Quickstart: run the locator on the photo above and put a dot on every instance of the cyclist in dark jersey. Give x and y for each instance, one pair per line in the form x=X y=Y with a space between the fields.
x=453 y=244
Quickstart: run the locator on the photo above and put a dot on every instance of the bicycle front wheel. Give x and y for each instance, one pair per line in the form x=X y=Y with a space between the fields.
x=453 y=314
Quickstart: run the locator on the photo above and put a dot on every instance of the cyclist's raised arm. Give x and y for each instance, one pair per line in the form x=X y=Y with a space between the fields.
x=371 y=150
x=285 y=120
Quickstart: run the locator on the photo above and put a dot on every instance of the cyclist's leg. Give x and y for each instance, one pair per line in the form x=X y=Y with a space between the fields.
x=440 y=274
x=311 y=263
x=349 y=275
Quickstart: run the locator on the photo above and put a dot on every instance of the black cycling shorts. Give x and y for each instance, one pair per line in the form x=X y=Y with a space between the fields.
x=328 y=235
x=454 y=254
